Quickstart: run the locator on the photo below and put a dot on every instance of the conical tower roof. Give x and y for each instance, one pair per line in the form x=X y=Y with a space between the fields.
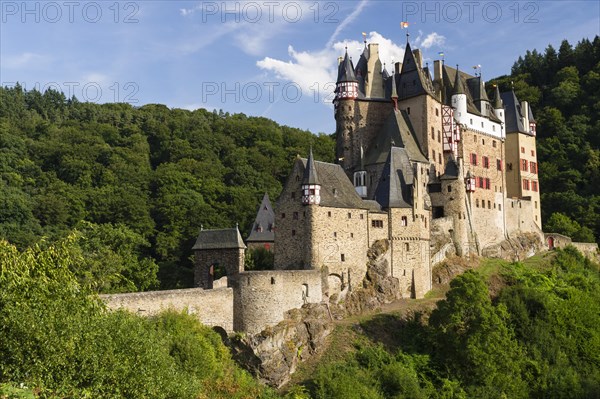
x=310 y=172
x=346 y=71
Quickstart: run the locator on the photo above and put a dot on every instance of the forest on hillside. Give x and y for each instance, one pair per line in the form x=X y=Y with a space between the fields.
x=137 y=183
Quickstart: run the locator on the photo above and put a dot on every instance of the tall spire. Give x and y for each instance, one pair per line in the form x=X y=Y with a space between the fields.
x=458 y=89
x=346 y=70
x=310 y=172
x=497 y=100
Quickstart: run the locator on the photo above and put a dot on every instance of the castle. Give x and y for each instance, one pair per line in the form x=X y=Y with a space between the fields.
x=426 y=161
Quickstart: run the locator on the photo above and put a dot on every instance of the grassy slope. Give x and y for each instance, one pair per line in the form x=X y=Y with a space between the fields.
x=383 y=326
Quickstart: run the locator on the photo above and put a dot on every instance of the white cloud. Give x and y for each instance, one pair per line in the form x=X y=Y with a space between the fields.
x=23 y=60
x=318 y=69
x=432 y=39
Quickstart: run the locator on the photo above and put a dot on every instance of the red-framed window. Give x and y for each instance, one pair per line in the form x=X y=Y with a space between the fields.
x=533 y=167
x=486 y=162
x=488 y=185
x=534 y=185
x=525 y=184
x=524 y=165
x=474 y=159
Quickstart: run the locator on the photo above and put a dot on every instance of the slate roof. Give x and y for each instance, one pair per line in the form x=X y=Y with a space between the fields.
x=394 y=189
x=262 y=229
x=310 y=172
x=398 y=130
x=346 y=71
x=336 y=189
x=451 y=171
x=412 y=80
x=219 y=239
x=513 y=115
x=467 y=84
x=497 y=99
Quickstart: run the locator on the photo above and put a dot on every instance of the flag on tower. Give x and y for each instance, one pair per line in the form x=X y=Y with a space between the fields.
x=404 y=25
x=441 y=53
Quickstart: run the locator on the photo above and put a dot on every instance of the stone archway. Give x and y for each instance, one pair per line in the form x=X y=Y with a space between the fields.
x=335 y=283
x=550 y=242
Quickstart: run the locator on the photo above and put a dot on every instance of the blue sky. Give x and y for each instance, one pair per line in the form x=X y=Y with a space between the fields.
x=267 y=58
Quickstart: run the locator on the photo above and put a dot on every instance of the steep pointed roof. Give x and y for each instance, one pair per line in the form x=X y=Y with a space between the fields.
x=394 y=189
x=412 y=81
x=458 y=84
x=530 y=114
x=397 y=129
x=219 y=239
x=451 y=171
x=262 y=229
x=513 y=114
x=497 y=100
x=346 y=71
x=310 y=172
x=384 y=74
x=477 y=89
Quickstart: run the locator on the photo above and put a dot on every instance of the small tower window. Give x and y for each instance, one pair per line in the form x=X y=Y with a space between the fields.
x=272 y=280
x=295 y=215
x=329 y=214
x=404 y=221
x=449 y=189
x=293 y=194
x=335 y=233
x=293 y=233
x=406 y=246
x=349 y=215
x=343 y=257
x=477 y=203
x=283 y=215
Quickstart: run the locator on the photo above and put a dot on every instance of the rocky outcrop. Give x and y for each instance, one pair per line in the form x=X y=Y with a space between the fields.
x=518 y=247
x=273 y=355
x=451 y=267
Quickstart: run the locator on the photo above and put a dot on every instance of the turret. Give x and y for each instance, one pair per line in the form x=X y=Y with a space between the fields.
x=311 y=187
x=470 y=182
x=497 y=105
x=459 y=99
x=347 y=84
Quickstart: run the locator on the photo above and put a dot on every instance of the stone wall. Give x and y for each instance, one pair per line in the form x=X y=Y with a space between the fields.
x=231 y=259
x=292 y=224
x=211 y=307
x=263 y=297
x=340 y=244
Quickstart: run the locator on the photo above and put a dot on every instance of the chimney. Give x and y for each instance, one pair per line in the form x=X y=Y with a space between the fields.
x=373 y=50
x=437 y=70
x=418 y=57
x=397 y=67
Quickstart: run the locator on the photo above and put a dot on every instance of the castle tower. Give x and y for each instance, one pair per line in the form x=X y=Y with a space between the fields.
x=459 y=99
x=311 y=188
x=522 y=180
x=346 y=92
x=498 y=105
x=217 y=253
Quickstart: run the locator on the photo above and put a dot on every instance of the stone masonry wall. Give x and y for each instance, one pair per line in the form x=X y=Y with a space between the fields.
x=230 y=259
x=263 y=297
x=340 y=244
x=211 y=307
